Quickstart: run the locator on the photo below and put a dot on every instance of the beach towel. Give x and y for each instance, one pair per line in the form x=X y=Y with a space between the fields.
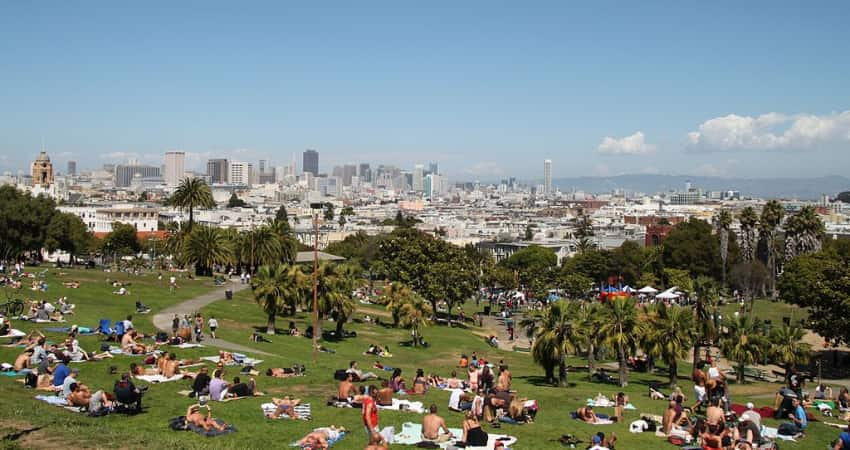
x=13 y=333
x=58 y=401
x=609 y=404
x=304 y=412
x=405 y=405
x=158 y=378
x=82 y=331
x=411 y=434
x=188 y=345
x=239 y=360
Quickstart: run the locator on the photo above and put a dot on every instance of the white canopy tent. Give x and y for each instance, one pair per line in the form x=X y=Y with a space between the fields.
x=669 y=294
x=648 y=290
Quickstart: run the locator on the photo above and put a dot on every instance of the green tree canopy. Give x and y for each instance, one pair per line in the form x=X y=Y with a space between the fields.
x=235 y=202
x=820 y=282
x=122 y=240
x=693 y=247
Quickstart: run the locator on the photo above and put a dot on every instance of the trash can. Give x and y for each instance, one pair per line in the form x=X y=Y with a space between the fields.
x=228 y=294
x=487 y=310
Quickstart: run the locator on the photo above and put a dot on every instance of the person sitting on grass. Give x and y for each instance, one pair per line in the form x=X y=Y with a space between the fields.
x=286 y=406
x=201 y=384
x=129 y=344
x=799 y=422
x=101 y=401
x=239 y=389
x=454 y=382
x=141 y=307
x=432 y=425
x=420 y=383
x=843 y=441
x=359 y=375
x=293 y=330
x=79 y=396
x=346 y=389
x=397 y=381
x=473 y=434
x=748 y=432
x=127 y=393
x=195 y=417
x=121 y=291
x=668 y=422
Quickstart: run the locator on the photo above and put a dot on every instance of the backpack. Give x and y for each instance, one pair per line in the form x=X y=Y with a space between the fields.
x=31 y=380
x=340 y=375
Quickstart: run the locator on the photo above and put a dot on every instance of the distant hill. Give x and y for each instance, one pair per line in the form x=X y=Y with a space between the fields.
x=787 y=188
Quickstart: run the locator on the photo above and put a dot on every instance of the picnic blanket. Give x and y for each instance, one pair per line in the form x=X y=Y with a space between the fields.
x=331 y=442
x=188 y=345
x=14 y=333
x=411 y=434
x=239 y=359
x=405 y=405
x=158 y=378
x=179 y=424
x=304 y=411
x=58 y=401
x=39 y=320
x=609 y=404
x=82 y=331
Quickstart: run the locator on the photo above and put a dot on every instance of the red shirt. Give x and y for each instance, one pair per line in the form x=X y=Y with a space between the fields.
x=373 y=416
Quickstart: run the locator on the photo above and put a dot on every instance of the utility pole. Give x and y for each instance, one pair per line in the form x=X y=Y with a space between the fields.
x=315 y=207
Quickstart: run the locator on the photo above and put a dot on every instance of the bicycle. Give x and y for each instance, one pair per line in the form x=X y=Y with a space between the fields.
x=12 y=307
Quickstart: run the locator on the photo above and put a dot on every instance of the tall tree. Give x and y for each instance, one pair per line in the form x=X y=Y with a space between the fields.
x=705 y=312
x=24 y=220
x=534 y=265
x=68 y=233
x=414 y=315
x=669 y=336
x=122 y=240
x=192 y=193
x=588 y=319
x=336 y=284
x=693 y=247
x=207 y=247
x=723 y=223
x=554 y=340
x=622 y=331
x=787 y=347
x=820 y=282
x=394 y=297
x=771 y=218
x=328 y=213
x=743 y=342
x=749 y=233
x=804 y=233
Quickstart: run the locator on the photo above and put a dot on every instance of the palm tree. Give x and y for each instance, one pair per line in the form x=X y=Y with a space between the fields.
x=670 y=334
x=622 y=331
x=336 y=283
x=554 y=340
x=588 y=319
x=270 y=286
x=803 y=233
x=207 y=247
x=414 y=314
x=705 y=309
x=787 y=347
x=743 y=342
x=192 y=193
x=724 y=221
x=395 y=296
x=749 y=224
x=771 y=218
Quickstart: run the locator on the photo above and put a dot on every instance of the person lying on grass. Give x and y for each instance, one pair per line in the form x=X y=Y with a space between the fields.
x=286 y=406
x=76 y=353
x=320 y=437
x=172 y=366
x=195 y=417
x=27 y=341
x=239 y=389
x=359 y=375
x=586 y=414
x=80 y=395
x=285 y=372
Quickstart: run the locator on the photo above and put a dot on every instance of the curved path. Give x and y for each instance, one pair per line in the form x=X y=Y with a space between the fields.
x=162 y=320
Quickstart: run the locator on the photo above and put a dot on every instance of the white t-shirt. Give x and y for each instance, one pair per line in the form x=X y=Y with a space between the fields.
x=598 y=447
x=713 y=373
x=213 y=323
x=128 y=325
x=172 y=280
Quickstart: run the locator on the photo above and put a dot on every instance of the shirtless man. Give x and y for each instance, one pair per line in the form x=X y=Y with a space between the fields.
x=79 y=396
x=376 y=442
x=431 y=426
x=504 y=381
x=285 y=372
x=454 y=382
x=194 y=416
x=171 y=366
x=586 y=414
x=129 y=344
x=346 y=388
x=714 y=414
x=320 y=437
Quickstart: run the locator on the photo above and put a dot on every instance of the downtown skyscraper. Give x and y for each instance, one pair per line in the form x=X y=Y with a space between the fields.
x=311 y=162
x=547 y=177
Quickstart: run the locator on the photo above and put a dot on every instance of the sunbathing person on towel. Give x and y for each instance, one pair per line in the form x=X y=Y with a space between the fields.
x=285 y=372
x=586 y=414
x=80 y=395
x=319 y=437
x=195 y=417
x=286 y=406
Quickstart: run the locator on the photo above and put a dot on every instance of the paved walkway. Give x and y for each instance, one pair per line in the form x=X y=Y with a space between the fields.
x=164 y=318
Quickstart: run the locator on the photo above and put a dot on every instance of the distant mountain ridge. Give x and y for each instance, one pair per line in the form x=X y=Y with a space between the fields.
x=786 y=188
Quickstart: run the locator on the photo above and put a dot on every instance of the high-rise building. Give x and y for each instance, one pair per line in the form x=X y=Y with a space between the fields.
x=547 y=176
x=433 y=186
x=365 y=172
x=42 y=170
x=349 y=171
x=241 y=173
x=126 y=173
x=174 y=167
x=418 y=178
x=72 y=168
x=433 y=168
x=263 y=164
x=217 y=170
x=311 y=162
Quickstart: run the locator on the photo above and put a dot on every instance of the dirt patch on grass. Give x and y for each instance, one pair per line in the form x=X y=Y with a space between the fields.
x=232 y=324
x=25 y=435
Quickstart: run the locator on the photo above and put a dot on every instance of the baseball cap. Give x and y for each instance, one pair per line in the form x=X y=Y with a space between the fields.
x=597 y=439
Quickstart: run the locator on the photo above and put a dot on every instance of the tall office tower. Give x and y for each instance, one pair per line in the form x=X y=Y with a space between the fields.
x=349 y=171
x=263 y=163
x=240 y=173
x=174 y=167
x=433 y=168
x=433 y=186
x=365 y=172
x=311 y=162
x=547 y=176
x=417 y=183
x=217 y=170
x=72 y=168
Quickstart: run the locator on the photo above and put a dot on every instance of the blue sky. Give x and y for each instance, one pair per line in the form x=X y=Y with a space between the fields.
x=487 y=89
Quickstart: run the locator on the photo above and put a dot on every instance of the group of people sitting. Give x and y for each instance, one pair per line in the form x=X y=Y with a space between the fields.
x=218 y=389
x=43 y=310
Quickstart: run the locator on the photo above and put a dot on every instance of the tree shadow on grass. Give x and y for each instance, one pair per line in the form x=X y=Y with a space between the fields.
x=537 y=380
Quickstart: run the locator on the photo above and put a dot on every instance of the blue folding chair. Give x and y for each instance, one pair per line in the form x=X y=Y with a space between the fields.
x=105 y=327
x=119 y=329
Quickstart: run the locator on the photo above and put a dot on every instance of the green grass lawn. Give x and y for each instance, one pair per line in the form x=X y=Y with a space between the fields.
x=237 y=318
x=772 y=310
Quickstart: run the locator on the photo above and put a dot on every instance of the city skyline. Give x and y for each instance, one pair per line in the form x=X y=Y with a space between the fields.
x=733 y=94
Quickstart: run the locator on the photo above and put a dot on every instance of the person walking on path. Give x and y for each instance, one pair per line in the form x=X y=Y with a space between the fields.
x=213 y=324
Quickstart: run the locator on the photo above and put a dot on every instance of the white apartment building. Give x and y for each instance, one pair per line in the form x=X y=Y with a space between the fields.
x=241 y=173
x=174 y=167
x=99 y=219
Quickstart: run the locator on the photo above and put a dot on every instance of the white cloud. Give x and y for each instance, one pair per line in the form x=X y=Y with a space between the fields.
x=629 y=145
x=771 y=131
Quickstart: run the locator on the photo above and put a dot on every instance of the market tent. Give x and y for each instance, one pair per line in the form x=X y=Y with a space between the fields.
x=648 y=290
x=669 y=294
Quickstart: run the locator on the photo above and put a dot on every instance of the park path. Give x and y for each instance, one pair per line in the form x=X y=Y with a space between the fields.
x=162 y=320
